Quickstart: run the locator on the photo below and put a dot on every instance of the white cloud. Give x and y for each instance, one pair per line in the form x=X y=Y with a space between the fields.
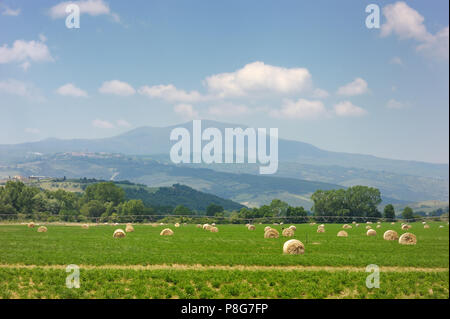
x=258 y=77
x=186 y=111
x=31 y=130
x=10 y=12
x=171 y=93
x=23 y=51
x=320 y=94
x=394 y=104
x=357 y=87
x=102 y=124
x=117 y=87
x=437 y=46
x=407 y=23
x=229 y=110
x=90 y=7
x=123 y=123
x=346 y=108
x=25 y=65
x=301 y=109
x=71 y=90
x=15 y=87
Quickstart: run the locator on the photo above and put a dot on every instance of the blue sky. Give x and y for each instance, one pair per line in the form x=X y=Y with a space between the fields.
x=311 y=68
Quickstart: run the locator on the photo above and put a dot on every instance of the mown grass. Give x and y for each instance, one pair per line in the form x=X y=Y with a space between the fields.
x=208 y=284
x=232 y=245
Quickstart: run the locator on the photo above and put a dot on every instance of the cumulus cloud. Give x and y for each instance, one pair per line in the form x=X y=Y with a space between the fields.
x=102 y=124
x=320 y=94
x=25 y=51
x=258 y=77
x=117 y=87
x=71 y=90
x=7 y=11
x=407 y=23
x=394 y=104
x=300 y=109
x=357 y=87
x=186 y=111
x=19 y=88
x=229 y=110
x=170 y=93
x=346 y=108
x=90 y=7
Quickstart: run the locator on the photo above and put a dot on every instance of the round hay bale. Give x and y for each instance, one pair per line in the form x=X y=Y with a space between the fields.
x=129 y=228
x=368 y=222
x=320 y=230
x=312 y=224
x=271 y=233
x=294 y=247
x=390 y=235
x=206 y=226
x=368 y=227
x=177 y=225
x=166 y=232
x=213 y=224
x=407 y=239
x=119 y=233
x=251 y=227
x=405 y=227
x=371 y=232
x=322 y=225
x=356 y=225
x=353 y=222
x=293 y=227
x=440 y=226
x=392 y=223
x=42 y=229
x=378 y=226
x=426 y=226
x=30 y=225
x=246 y=225
x=378 y=222
x=85 y=226
x=267 y=228
x=288 y=232
x=199 y=226
x=424 y=223
x=342 y=233
x=347 y=226
x=214 y=229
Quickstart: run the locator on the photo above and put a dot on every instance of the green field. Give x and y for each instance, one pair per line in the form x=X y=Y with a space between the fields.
x=233 y=263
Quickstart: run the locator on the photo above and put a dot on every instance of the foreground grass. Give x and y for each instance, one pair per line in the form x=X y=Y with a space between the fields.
x=232 y=245
x=207 y=284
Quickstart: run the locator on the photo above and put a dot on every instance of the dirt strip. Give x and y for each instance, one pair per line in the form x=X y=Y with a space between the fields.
x=224 y=267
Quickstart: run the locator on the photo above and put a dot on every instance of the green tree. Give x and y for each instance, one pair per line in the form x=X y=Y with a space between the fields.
x=408 y=213
x=182 y=210
x=104 y=192
x=213 y=209
x=389 y=212
x=93 y=208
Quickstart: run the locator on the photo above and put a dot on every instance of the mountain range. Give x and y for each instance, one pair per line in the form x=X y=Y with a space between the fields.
x=141 y=155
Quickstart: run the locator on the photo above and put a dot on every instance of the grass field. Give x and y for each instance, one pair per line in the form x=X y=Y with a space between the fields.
x=233 y=263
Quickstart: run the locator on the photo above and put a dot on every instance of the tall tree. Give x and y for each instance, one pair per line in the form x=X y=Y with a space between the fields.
x=389 y=212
